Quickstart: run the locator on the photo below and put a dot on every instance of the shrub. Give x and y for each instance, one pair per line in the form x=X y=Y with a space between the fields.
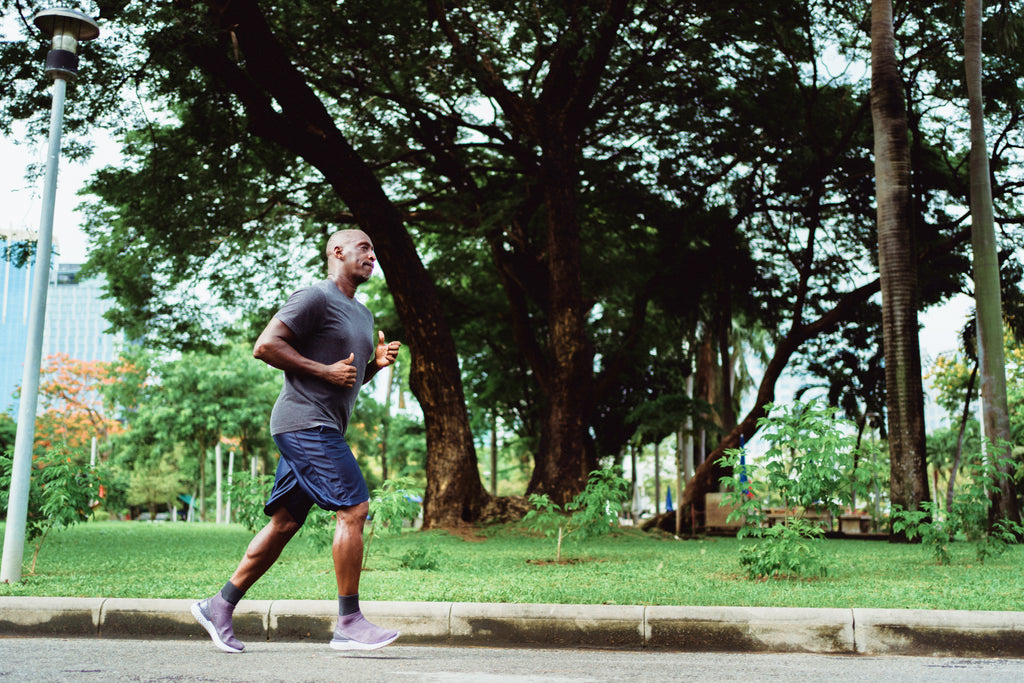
x=61 y=494
x=811 y=463
x=248 y=495
x=593 y=512
x=419 y=558
x=968 y=516
x=395 y=501
x=787 y=550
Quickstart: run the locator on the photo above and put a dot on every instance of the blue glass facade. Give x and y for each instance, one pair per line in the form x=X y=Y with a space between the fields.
x=74 y=321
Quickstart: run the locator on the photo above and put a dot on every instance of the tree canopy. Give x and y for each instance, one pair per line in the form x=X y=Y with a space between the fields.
x=576 y=205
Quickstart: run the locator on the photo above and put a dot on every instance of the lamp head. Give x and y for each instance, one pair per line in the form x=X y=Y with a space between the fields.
x=67 y=28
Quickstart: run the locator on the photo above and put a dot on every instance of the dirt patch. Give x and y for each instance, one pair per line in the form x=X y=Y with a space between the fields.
x=567 y=560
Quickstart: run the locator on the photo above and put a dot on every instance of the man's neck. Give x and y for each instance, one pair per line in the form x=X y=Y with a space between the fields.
x=347 y=286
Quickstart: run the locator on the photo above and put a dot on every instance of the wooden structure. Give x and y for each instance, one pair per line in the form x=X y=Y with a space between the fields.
x=716 y=514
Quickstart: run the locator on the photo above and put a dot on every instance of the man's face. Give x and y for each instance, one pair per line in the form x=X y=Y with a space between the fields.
x=357 y=257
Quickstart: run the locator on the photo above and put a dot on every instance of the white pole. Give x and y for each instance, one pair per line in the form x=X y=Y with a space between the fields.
x=636 y=484
x=981 y=428
x=220 y=473
x=67 y=28
x=92 y=452
x=231 y=469
x=688 y=442
x=17 y=509
x=679 y=480
x=657 y=480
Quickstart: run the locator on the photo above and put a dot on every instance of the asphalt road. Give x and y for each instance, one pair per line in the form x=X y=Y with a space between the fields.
x=93 y=659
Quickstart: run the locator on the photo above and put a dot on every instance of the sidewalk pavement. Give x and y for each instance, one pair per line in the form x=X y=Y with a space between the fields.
x=681 y=629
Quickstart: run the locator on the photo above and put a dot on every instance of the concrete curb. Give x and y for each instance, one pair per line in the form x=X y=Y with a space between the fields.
x=690 y=629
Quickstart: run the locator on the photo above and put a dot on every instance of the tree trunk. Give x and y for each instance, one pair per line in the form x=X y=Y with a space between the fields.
x=960 y=438
x=454 y=492
x=568 y=381
x=987 y=295
x=897 y=268
x=706 y=378
x=726 y=410
x=552 y=121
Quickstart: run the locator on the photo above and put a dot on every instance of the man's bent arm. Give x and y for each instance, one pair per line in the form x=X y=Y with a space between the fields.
x=274 y=347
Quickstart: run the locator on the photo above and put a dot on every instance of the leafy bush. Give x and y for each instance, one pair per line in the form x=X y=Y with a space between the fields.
x=248 y=496
x=593 y=512
x=926 y=524
x=812 y=463
x=395 y=501
x=61 y=494
x=787 y=550
x=419 y=558
x=969 y=515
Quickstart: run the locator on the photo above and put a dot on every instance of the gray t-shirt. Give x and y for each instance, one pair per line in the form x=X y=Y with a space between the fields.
x=328 y=326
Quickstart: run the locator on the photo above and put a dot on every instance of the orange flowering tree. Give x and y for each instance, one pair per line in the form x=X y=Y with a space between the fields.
x=73 y=395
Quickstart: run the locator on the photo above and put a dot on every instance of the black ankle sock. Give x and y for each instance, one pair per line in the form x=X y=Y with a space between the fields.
x=348 y=604
x=231 y=593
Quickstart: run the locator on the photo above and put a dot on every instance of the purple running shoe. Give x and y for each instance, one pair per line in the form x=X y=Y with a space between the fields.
x=354 y=632
x=214 y=614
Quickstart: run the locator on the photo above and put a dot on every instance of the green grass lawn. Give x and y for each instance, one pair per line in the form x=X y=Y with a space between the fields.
x=137 y=559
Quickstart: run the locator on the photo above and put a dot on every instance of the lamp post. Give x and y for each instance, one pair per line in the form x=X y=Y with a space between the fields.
x=67 y=28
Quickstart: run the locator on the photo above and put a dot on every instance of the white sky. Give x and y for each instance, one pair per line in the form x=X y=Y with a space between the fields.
x=22 y=201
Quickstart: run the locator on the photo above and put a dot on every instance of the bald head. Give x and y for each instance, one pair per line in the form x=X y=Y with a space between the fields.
x=344 y=239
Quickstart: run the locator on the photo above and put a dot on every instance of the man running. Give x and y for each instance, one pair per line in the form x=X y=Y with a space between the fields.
x=323 y=340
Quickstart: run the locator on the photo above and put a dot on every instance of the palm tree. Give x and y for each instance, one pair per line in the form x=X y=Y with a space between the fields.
x=897 y=267
x=988 y=300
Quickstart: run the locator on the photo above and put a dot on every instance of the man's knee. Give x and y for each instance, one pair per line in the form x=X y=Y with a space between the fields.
x=283 y=524
x=354 y=515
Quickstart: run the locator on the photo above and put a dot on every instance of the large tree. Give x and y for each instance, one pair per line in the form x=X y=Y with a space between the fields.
x=987 y=295
x=547 y=121
x=897 y=265
x=237 y=69
x=511 y=179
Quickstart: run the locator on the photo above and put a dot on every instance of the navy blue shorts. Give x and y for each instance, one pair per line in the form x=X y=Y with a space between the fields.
x=316 y=467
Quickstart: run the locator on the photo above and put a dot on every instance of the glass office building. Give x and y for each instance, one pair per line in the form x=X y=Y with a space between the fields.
x=74 y=319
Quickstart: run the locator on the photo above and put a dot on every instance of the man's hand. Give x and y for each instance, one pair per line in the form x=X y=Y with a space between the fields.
x=386 y=352
x=343 y=373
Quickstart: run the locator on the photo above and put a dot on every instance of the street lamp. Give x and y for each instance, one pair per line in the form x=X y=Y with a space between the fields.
x=67 y=28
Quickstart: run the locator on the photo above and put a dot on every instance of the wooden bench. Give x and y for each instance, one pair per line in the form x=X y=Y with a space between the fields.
x=779 y=515
x=855 y=523
x=716 y=514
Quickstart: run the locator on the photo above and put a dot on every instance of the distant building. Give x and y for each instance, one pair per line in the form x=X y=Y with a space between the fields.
x=74 y=319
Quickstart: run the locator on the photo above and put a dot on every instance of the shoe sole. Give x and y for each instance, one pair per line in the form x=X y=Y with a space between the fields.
x=350 y=645
x=212 y=630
